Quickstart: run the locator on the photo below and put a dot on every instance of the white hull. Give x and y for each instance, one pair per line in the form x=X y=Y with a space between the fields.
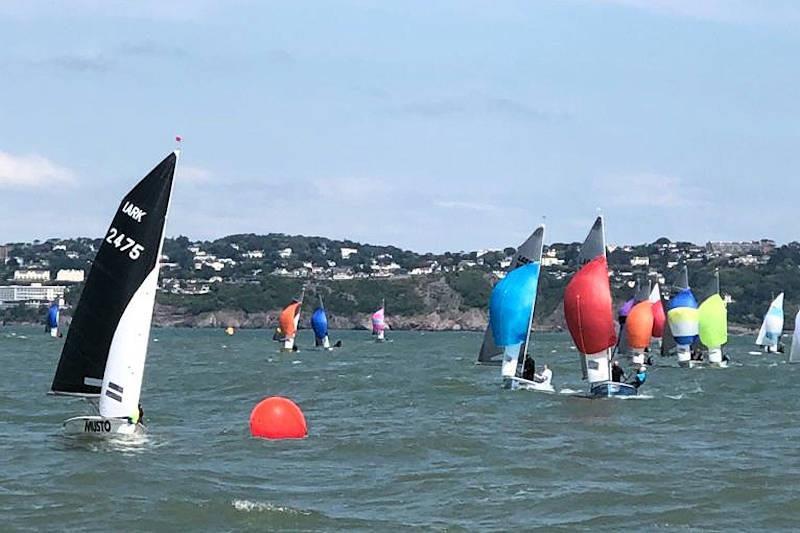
x=519 y=383
x=101 y=426
x=54 y=332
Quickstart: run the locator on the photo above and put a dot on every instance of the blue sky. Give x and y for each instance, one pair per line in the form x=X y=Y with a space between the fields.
x=429 y=125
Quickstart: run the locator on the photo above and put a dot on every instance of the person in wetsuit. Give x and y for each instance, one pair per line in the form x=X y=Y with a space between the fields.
x=640 y=377
x=617 y=374
x=528 y=369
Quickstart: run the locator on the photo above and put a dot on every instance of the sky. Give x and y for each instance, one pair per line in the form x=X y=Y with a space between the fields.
x=430 y=125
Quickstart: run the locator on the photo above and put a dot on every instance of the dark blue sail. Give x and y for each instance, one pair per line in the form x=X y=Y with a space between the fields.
x=319 y=323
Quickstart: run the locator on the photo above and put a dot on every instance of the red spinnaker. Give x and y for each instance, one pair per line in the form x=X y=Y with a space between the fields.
x=659 y=319
x=587 y=307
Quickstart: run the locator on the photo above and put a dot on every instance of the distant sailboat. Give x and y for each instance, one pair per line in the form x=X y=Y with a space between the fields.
x=511 y=310
x=712 y=316
x=682 y=318
x=589 y=314
x=289 y=321
x=53 y=314
x=379 y=323
x=794 y=355
x=104 y=354
x=529 y=251
x=319 y=323
x=769 y=336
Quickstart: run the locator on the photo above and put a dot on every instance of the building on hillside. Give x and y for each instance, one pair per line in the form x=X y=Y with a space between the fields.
x=33 y=294
x=70 y=275
x=32 y=276
x=347 y=252
x=640 y=261
x=285 y=253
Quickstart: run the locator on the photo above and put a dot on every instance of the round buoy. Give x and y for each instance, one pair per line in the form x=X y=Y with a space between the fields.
x=229 y=330
x=277 y=417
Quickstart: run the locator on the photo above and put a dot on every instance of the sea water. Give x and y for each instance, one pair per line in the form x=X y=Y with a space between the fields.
x=403 y=435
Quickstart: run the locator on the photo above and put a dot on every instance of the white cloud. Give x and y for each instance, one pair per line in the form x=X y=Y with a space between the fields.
x=648 y=190
x=190 y=174
x=33 y=170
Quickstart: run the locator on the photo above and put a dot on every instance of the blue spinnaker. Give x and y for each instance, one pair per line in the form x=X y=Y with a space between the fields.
x=319 y=323
x=52 y=316
x=511 y=305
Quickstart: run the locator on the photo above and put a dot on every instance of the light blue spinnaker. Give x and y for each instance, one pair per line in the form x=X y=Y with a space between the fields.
x=511 y=310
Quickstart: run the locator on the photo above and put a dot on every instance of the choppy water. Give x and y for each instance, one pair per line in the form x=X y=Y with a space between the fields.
x=407 y=434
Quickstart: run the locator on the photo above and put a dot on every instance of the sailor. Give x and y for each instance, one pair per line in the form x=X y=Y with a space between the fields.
x=617 y=374
x=528 y=369
x=278 y=335
x=545 y=377
x=338 y=344
x=138 y=418
x=640 y=377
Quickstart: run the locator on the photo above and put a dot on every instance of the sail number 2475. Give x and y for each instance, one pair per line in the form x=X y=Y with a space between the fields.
x=124 y=244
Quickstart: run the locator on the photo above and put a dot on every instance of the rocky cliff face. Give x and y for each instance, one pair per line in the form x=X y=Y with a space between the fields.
x=445 y=320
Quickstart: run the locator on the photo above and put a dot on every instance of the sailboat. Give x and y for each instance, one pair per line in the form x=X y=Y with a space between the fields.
x=511 y=309
x=769 y=336
x=53 y=314
x=794 y=355
x=589 y=314
x=529 y=251
x=636 y=328
x=682 y=318
x=712 y=317
x=319 y=323
x=639 y=325
x=379 y=323
x=289 y=320
x=104 y=354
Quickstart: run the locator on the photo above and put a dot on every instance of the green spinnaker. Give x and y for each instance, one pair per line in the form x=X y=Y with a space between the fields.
x=713 y=318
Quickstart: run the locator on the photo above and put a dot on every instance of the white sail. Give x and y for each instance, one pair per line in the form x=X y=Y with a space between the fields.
x=122 y=380
x=794 y=355
x=772 y=326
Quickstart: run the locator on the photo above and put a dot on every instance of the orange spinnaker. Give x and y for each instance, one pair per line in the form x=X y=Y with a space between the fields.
x=286 y=319
x=639 y=325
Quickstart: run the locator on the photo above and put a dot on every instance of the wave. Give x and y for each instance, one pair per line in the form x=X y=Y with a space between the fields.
x=249 y=506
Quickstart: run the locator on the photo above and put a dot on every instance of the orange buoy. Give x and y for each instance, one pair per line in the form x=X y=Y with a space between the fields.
x=277 y=417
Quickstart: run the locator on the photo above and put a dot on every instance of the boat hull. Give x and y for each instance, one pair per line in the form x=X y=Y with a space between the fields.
x=101 y=426
x=610 y=389
x=524 y=384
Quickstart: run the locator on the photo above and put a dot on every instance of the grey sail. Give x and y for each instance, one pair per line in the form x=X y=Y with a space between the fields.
x=642 y=291
x=594 y=245
x=683 y=279
x=528 y=252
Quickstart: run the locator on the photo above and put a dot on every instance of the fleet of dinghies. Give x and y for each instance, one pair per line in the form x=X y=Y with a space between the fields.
x=104 y=353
